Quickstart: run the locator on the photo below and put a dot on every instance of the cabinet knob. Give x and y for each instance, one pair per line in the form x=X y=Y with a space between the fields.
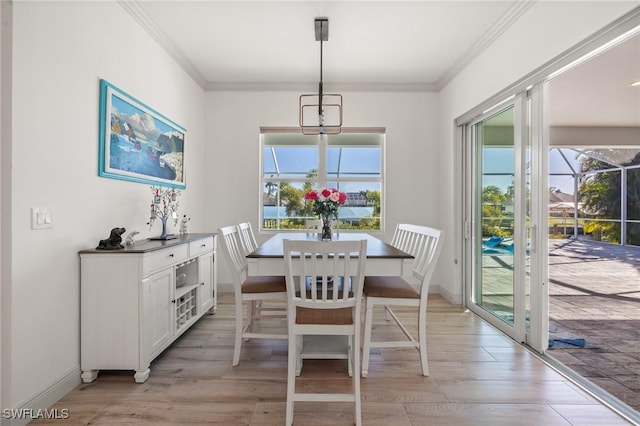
x=203 y=245
x=171 y=255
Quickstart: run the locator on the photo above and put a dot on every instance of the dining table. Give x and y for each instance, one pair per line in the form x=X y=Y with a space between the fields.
x=383 y=259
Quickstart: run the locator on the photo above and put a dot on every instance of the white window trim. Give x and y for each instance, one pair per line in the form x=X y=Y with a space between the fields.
x=322 y=172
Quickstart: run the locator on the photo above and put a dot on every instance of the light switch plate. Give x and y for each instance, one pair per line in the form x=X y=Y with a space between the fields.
x=41 y=218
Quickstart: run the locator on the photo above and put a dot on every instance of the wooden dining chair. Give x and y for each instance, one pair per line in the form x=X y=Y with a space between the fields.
x=325 y=309
x=247 y=237
x=251 y=289
x=424 y=244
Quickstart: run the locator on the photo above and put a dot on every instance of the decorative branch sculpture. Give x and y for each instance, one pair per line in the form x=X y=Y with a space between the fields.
x=164 y=205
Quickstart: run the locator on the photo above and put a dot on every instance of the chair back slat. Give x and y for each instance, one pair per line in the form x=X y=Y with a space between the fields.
x=247 y=237
x=313 y=226
x=330 y=273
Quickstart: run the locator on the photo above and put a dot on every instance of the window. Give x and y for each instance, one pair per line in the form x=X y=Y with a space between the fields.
x=293 y=163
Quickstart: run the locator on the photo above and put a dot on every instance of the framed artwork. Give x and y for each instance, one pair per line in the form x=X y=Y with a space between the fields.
x=137 y=143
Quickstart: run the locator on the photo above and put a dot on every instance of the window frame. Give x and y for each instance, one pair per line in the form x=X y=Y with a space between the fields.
x=323 y=176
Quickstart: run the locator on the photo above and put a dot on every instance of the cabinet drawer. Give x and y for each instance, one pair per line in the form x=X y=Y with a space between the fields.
x=165 y=257
x=200 y=246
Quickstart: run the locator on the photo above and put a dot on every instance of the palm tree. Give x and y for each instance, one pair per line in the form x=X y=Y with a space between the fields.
x=270 y=186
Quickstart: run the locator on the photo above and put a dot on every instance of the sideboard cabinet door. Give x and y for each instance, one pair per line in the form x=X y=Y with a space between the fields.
x=158 y=313
x=205 y=276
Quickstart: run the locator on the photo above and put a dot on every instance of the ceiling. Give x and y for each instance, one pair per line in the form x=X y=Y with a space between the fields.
x=598 y=91
x=372 y=45
x=417 y=45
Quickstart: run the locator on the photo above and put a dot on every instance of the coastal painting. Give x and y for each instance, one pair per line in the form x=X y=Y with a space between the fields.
x=137 y=143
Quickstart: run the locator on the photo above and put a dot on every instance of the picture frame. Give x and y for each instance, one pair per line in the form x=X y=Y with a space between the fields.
x=137 y=143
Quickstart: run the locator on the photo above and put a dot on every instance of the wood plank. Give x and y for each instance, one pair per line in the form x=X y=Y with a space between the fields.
x=477 y=377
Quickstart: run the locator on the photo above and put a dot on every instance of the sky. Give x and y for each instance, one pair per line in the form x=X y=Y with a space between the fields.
x=498 y=165
x=299 y=161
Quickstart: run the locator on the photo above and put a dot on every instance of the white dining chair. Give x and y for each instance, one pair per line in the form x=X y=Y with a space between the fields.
x=247 y=237
x=424 y=244
x=251 y=289
x=249 y=244
x=325 y=309
x=314 y=226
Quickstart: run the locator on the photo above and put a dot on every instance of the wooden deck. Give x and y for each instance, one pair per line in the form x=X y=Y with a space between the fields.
x=478 y=377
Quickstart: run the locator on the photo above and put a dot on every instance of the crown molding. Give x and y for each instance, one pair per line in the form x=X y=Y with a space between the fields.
x=312 y=87
x=491 y=35
x=149 y=25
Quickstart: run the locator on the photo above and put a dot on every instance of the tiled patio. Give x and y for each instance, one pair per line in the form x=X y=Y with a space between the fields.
x=595 y=295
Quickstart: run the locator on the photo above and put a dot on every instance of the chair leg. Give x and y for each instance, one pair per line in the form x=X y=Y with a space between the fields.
x=238 y=342
x=291 y=377
x=422 y=335
x=350 y=357
x=251 y=315
x=299 y=343
x=356 y=380
x=366 y=346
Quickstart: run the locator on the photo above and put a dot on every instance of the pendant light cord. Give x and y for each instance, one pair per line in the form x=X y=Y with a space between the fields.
x=320 y=111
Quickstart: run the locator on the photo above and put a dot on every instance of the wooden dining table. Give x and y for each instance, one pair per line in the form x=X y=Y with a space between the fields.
x=382 y=258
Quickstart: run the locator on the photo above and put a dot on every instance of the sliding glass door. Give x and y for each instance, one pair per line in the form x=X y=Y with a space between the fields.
x=498 y=221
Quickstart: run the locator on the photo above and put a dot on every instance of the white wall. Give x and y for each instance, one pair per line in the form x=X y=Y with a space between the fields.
x=412 y=157
x=61 y=50
x=546 y=30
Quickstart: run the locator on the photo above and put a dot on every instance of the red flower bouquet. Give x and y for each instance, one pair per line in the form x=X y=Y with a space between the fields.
x=326 y=202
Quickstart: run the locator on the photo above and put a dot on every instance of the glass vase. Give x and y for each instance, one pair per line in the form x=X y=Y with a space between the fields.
x=164 y=228
x=326 y=228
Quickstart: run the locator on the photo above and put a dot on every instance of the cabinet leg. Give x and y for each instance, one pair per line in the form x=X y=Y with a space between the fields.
x=141 y=376
x=89 y=376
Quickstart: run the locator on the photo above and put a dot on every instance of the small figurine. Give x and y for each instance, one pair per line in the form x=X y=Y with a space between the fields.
x=113 y=242
x=129 y=240
x=183 y=224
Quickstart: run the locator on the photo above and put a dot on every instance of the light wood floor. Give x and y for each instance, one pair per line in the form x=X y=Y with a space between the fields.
x=478 y=377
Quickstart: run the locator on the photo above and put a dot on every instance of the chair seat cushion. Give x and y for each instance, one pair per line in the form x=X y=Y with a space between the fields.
x=342 y=316
x=264 y=284
x=393 y=287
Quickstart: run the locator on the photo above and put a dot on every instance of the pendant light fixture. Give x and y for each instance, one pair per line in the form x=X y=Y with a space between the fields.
x=321 y=113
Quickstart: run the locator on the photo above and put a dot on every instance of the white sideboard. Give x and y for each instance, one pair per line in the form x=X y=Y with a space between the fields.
x=136 y=301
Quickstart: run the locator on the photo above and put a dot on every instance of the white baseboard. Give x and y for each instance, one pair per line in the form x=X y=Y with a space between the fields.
x=45 y=399
x=453 y=298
